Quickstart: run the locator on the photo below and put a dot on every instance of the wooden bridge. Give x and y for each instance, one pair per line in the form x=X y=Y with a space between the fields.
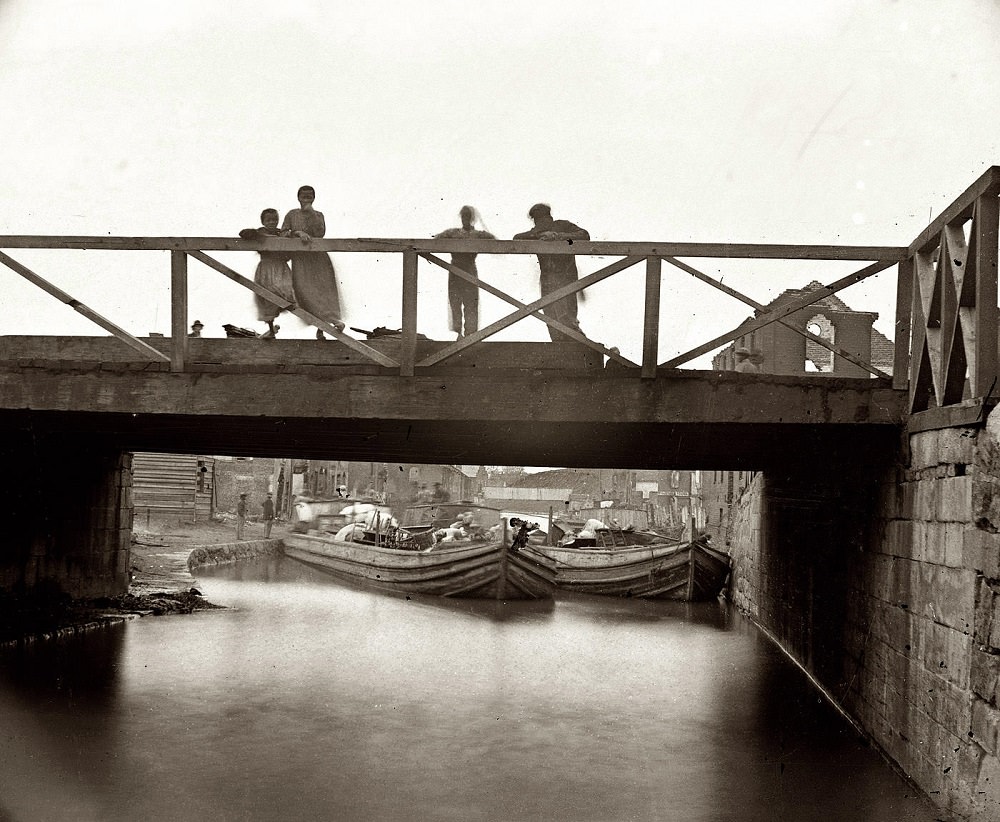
x=532 y=403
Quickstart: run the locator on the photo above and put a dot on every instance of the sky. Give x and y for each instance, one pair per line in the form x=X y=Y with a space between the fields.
x=843 y=122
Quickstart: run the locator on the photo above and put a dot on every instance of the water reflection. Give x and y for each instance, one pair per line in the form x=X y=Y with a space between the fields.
x=308 y=699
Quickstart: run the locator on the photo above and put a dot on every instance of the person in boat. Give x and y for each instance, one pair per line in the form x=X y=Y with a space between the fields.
x=463 y=297
x=439 y=494
x=272 y=271
x=556 y=270
x=314 y=280
x=303 y=512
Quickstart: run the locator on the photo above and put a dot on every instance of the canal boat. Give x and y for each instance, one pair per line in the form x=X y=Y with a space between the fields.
x=448 y=550
x=639 y=566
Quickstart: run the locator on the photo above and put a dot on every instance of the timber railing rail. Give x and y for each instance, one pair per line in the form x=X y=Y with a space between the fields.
x=652 y=255
x=946 y=294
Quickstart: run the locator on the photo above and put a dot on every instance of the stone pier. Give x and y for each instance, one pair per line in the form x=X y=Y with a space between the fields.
x=68 y=525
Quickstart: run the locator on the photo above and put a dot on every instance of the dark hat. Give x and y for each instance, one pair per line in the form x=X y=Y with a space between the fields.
x=744 y=351
x=243 y=494
x=540 y=210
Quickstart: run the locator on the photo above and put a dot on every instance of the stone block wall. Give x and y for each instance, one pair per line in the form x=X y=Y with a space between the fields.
x=881 y=576
x=68 y=528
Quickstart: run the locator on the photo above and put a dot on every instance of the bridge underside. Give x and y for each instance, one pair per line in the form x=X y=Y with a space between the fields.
x=705 y=446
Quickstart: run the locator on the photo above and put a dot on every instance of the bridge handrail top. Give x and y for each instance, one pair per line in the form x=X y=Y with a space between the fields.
x=988 y=184
x=445 y=246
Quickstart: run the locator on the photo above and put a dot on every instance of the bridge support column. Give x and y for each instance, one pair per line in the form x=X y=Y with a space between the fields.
x=881 y=577
x=68 y=522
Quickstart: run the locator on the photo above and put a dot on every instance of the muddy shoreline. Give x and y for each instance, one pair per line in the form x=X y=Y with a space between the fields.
x=161 y=581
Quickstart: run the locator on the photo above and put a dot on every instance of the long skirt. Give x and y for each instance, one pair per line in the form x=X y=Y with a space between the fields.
x=274 y=275
x=315 y=285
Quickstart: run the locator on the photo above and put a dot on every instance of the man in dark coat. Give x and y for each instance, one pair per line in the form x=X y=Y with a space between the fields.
x=556 y=270
x=268 y=511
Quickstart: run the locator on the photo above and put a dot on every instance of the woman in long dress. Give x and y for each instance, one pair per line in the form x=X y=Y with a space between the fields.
x=272 y=271
x=313 y=277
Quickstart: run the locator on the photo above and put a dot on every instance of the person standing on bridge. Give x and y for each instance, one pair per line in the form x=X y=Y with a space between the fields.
x=556 y=270
x=463 y=297
x=272 y=271
x=314 y=280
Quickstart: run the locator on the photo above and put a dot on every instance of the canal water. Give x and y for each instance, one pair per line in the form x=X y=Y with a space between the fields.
x=311 y=700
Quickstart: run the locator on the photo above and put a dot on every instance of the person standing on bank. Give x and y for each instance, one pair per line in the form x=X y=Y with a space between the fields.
x=241 y=517
x=314 y=280
x=267 y=508
x=463 y=297
x=556 y=270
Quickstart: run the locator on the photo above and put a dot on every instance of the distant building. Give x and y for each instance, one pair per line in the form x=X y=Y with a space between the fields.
x=776 y=349
x=406 y=481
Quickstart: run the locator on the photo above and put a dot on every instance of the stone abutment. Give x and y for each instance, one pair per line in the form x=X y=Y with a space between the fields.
x=880 y=576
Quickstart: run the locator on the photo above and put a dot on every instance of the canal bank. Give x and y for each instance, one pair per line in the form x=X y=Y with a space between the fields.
x=162 y=556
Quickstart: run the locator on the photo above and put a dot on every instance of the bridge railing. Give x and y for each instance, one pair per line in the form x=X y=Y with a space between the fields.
x=947 y=303
x=650 y=255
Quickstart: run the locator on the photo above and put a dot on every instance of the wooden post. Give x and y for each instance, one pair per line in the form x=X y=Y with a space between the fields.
x=408 y=350
x=548 y=538
x=501 y=589
x=984 y=238
x=651 y=319
x=178 y=310
x=904 y=318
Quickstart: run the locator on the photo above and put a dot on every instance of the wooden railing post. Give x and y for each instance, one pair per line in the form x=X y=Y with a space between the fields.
x=651 y=320
x=986 y=221
x=408 y=352
x=904 y=320
x=178 y=310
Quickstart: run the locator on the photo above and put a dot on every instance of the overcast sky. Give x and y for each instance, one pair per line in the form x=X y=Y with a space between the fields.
x=778 y=122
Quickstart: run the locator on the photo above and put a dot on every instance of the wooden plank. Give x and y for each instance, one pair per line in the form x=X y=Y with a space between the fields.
x=987 y=185
x=651 y=319
x=302 y=314
x=469 y=341
x=960 y=415
x=732 y=292
x=953 y=364
x=80 y=308
x=921 y=379
x=527 y=310
x=904 y=309
x=178 y=310
x=407 y=353
x=586 y=248
x=984 y=239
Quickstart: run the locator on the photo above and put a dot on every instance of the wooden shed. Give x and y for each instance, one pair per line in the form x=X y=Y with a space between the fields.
x=179 y=486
